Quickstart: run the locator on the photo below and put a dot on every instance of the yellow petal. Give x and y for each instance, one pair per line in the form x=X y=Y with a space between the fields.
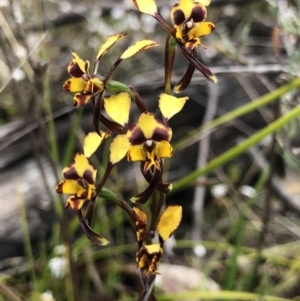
x=146 y=6
x=188 y=11
x=82 y=166
x=136 y=153
x=75 y=84
x=170 y=105
x=178 y=33
x=93 y=85
x=117 y=107
x=69 y=187
x=74 y=203
x=164 y=149
x=92 y=141
x=119 y=148
x=140 y=223
x=78 y=63
x=81 y=99
x=169 y=221
x=151 y=249
x=182 y=11
x=201 y=29
x=148 y=124
x=141 y=214
x=111 y=40
x=204 y=2
x=143 y=261
x=137 y=47
x=191 y=44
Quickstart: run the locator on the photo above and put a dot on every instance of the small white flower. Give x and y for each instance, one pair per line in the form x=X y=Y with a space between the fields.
x=58 y=266
x=218 y=191
x=248 y=191
x=47 y=296
x=200 y=250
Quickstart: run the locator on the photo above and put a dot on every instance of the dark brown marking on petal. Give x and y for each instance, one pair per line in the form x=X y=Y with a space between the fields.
x=67 y=85
x=81 y=99
x=88 y=176
x=212 y=27
x=155 y=262
x=178 y=17
x=76 y=203
x=71 y=173
x=161 y=134
x=192 y=44
x=83 y=195
x=198 y=13
x=59 y=187
x=74 y=70
x=81 y=182
x=137 y=136
x=141 y=227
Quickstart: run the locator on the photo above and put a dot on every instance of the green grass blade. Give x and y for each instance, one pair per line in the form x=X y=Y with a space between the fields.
x=240 y=111
x=236 y=150
x=220 y=295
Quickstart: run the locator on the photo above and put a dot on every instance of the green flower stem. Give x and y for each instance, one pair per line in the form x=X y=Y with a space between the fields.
x=109 y=195
x=26 y=241
x=245 y=109
x=236 y=150
x=169 y=61
x=116 y=87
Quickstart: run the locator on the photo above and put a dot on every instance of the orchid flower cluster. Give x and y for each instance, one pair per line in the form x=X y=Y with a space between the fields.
x=147 y=140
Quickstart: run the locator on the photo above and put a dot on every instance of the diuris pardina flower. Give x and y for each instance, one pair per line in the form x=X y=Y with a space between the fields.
x=148 y=257
x=80 y=177
x=85 y=84
x=147 y=141
x=188 y=18
x=132 y=50
x=80 y=183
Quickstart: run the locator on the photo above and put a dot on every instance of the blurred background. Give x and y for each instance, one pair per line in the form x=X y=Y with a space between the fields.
x=235 y=167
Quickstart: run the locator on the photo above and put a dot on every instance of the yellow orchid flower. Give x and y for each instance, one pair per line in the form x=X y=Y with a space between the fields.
x=148 y=257
x=79 y=182
x=188 y=17
x=82 y=82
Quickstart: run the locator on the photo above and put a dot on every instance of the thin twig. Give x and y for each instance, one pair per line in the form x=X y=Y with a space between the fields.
x=267 y=209
x=6 y=291
x=203 y=150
